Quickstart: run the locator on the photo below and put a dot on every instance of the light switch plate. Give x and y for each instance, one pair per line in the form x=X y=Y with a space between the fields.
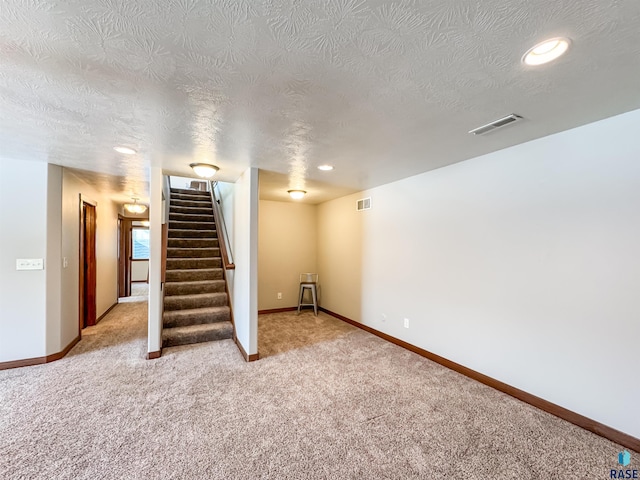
x=30 y=264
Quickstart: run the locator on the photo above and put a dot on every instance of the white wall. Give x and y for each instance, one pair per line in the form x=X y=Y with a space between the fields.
x=156 y=185
x=226 y=194
x=245 y=251
x=23 y=234
x=287 y=247
x=523 y=265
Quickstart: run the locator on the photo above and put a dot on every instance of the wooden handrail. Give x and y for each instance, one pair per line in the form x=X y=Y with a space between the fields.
x=165 y=242
x=217 y=216
x=166 y=197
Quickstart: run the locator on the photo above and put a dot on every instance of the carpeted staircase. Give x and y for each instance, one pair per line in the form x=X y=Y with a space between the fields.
x=196 y=305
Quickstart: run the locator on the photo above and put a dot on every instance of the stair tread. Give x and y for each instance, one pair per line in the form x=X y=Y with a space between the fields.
x=187 y=259
x=197 y=334
x=182 y=249
x=200 y=259
x=186 y=296
x=213 y=269
x=189 y=191
x=200 y=327
x=196 y=282
x=201 y=310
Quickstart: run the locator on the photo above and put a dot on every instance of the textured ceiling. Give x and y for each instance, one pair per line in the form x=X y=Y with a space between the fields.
x=380 y=89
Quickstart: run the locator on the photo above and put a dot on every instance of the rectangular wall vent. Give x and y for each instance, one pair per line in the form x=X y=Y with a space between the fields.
x=501 y=122
x=363 y=204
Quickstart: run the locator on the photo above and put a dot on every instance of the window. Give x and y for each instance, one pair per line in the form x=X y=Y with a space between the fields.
x=140 y=240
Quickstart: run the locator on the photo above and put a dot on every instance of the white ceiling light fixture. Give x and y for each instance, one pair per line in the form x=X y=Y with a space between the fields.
x=325 y=168
x=546 y=51
x=296 y=194
x=204 y=170
x=135 y=207
x=125 y=150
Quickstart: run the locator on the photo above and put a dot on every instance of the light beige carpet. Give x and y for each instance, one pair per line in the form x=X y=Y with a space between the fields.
x=326 y=401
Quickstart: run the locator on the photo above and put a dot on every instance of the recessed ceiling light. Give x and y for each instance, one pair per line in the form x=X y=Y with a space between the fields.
x=296 y=194
x=325 y=168
x=125 y=150
x=546 y=51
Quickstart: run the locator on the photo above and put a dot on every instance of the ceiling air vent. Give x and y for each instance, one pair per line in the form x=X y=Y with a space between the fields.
x=364 y=204
x=501 y=122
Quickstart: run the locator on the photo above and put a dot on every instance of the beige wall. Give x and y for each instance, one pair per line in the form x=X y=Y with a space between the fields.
x=340 y=251
x=39 y=309
x=521 y=264
x=57 y=337
x=139 y=270
x=287 y=246
x=106 y=249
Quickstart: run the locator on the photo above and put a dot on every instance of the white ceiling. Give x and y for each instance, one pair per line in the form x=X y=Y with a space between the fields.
x=380 y=89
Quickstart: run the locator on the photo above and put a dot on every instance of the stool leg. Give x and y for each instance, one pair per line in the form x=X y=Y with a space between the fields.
x=300 y=297
x=314 y=293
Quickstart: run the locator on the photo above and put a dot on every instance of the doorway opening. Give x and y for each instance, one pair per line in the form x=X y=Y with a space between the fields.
x=133 y=257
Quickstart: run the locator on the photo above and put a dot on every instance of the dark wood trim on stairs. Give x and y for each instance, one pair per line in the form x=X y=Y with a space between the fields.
x=27 y=362
x=165 y=242
x=247 y=358
x=154 y=355
x=221 y=240
x=277 y=310
x=106 y=312
x=598 y=428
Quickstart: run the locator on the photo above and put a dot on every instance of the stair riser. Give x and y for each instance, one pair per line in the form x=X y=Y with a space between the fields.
x=191 y=263
x=198 y=338
x=190 y=218
x=193 y=242
x=191 y=225
x=209 y=300
x=182 y=233
x=185 y=288
x=190 y=203
x=193 y=275
x=192 y=252
x=184 y=191
x=189 y=198
x=191 y=210
x=173 y=318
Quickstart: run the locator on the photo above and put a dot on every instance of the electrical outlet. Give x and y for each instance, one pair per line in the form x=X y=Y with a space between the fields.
x=406 y=323
x=279 y=295
x=65 y=262
x=383 y=317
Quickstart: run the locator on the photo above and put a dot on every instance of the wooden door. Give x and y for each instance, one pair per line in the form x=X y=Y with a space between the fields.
x=87 y=265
